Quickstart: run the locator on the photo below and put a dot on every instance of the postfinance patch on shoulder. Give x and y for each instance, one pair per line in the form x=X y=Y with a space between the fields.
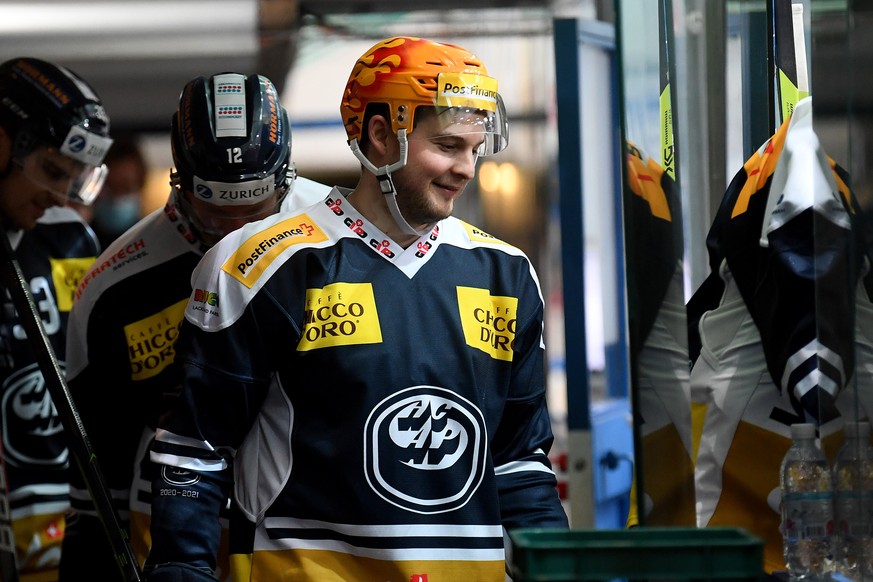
x=255 y=255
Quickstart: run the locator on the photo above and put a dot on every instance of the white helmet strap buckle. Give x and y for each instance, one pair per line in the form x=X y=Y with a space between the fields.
x=386 y=183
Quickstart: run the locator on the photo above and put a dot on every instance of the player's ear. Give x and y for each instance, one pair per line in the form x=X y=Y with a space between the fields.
x=380 y=134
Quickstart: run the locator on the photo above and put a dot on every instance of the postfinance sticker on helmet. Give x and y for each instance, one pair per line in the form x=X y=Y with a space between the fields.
x=467 y=90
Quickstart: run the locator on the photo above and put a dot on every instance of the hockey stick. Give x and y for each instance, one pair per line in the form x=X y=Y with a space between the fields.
x=13 y=279
x=666 y=65
x=791 y=76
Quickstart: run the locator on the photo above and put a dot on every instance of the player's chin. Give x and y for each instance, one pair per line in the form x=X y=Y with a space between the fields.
x=443 y=209
x=443 y=199
x=27 y=221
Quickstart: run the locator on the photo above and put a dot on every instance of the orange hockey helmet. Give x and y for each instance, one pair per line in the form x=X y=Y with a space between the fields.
x=407 y=72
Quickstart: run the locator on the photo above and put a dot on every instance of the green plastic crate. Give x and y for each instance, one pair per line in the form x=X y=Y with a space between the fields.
x=641 y=553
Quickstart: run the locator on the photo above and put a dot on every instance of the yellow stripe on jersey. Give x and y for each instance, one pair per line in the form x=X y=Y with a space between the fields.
x=337 y=566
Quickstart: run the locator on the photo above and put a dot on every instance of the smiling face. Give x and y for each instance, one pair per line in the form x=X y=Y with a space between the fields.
x=441 y=162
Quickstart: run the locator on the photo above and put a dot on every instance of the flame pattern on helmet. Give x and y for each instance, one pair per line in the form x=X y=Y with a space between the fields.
x=401 y=72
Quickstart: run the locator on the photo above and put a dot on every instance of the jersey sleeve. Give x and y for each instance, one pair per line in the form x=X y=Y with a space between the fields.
x=194 y=448
x=225 y=380
x=113 y=436
x=525 y=479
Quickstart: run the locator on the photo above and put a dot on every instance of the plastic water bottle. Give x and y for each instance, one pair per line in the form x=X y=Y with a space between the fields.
x=807 y=508
x=853 y=503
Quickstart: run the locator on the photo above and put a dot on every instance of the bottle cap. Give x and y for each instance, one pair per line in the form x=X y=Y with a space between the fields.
x=803 y=430
x=857 y=429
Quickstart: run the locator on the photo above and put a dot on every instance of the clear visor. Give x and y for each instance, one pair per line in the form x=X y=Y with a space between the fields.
x=470 y=104
x=214 y=221
x=63 y=176
x=491 y=128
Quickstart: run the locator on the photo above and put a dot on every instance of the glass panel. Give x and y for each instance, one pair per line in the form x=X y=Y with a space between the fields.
x=779 y=316
x=664 y=487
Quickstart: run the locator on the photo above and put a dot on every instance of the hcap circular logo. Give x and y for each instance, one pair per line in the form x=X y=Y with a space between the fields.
x=425 y=449
x=31 y=424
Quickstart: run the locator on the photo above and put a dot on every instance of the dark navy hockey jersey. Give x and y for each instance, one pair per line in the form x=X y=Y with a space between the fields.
x=382 y=410
x=121 y=358
x=53 y=257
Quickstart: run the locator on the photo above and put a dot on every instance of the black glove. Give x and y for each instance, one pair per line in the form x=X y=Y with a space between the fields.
x=86 y=553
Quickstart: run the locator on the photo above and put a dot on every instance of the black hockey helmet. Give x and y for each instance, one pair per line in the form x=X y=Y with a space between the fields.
x=231 y=144
x=231 y=132
x=44 y=104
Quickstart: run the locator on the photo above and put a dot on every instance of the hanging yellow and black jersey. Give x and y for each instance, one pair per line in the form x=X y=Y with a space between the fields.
x=658 y=343
x=796 y=252
x=781 y=331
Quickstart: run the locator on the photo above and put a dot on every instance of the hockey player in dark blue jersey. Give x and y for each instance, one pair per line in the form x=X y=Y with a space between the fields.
x=54 y=134
x=229 y=169
x=365 y=376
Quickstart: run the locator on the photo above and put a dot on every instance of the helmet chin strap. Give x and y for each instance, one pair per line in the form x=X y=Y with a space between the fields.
x=178 y=200
x=386 y=182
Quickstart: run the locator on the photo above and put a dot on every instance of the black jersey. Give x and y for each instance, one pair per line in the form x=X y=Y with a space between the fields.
x=783 y=327
x=53 y=257
x=658 y=342
x=788 y=230
x=383 y=408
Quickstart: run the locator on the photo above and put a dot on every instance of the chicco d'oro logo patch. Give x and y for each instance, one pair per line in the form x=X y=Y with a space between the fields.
x=66 y=274
x=488 y=321
x=340 y=314
x=424 y=449
x=151 y=341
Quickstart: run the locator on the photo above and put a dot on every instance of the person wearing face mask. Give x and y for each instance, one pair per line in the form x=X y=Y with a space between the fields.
x=365 y=375
x=118 y=207
x=54 y=134
x=231 y=148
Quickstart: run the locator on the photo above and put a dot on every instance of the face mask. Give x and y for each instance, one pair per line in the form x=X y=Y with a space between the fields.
x=115 y=214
